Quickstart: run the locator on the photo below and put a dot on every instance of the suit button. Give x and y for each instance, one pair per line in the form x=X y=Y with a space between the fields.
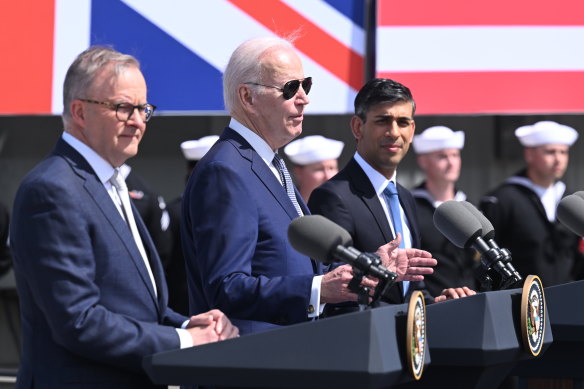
x=311 y=309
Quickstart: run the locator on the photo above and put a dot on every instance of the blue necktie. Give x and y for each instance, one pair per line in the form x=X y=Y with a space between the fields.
x=278 y=162
x=390 y=194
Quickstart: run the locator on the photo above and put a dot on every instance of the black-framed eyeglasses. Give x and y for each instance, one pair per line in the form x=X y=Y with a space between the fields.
x=124 y=111
x=290 y=88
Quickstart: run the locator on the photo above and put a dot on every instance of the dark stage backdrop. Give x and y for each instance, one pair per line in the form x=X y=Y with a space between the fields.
x=491 y=151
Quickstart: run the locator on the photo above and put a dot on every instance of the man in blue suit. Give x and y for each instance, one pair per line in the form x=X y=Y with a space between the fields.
x=240 y=200
x=91 y=287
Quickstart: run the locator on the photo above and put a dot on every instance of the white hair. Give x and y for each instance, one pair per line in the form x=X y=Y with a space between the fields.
x=245 y=66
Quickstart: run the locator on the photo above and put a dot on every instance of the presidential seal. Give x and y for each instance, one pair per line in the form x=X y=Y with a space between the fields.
x=416 y=334
x=533 y=311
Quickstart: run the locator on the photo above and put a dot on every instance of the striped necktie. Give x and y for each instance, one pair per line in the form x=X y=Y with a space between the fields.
x=278 y=162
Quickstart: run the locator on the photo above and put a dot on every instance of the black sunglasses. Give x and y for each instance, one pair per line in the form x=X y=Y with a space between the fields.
x=290 y=88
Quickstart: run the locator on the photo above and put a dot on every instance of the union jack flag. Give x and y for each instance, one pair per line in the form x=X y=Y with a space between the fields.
x=183 y=46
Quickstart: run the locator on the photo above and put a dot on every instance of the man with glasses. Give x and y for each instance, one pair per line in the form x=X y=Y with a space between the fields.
x=240 y=200
x=91 y=287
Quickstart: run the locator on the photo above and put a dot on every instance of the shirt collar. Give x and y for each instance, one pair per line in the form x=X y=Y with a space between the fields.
x=377 y=179
x=255 y=141
x=100 y=166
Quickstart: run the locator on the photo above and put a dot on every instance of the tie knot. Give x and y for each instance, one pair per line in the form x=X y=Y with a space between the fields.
x=118 y=181
x=391 y=189
x=277 y=161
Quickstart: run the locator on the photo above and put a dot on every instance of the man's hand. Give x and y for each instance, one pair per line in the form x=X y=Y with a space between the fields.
x=408 y=264
x=211 y=326
x=334 y=286
x=454 y=293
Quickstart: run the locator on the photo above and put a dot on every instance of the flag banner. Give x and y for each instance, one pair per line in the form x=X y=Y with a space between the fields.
x=479 y=57
x=183 y=47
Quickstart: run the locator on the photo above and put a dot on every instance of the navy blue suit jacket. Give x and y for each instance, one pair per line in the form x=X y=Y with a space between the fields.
x=349 y=200
x=234 y=230
x=89 y=312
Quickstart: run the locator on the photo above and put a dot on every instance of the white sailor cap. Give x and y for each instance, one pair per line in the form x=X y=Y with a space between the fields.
x=546 y=132
x=193 y=150
x=438 y=138
x=314 y=148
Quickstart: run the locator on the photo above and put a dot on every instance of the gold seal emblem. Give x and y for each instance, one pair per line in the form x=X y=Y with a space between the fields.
x=533 y=311
x=416 y=334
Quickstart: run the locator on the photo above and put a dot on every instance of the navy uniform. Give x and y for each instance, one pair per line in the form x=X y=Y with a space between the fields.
x=456 y=266
x=523 y=214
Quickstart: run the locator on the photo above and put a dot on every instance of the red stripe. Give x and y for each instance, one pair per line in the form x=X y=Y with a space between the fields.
x=317 y=44
x=27 y=60
x=494 y=92
x=485 y=12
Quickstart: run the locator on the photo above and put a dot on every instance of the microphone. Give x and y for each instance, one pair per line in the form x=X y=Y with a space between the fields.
x=488 y=232
x=321 y=239
x=464 y=230
x=570 y=213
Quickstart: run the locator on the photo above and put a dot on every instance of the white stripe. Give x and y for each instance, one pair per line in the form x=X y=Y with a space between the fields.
x=480 y=48
x=331 y=21
x=329 y=94
x=213 y=33
x=72 y=29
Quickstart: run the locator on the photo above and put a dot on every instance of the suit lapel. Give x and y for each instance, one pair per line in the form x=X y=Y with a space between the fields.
x=102 y=199
x=362 y=186
x=265 y=175
x=408 y=204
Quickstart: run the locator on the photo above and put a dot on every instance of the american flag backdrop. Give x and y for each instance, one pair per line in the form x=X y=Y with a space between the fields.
x=183 y=45
x=484 y=56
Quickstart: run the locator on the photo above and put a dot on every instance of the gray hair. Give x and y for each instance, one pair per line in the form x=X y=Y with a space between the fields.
x=245 y=66
x=85 y=69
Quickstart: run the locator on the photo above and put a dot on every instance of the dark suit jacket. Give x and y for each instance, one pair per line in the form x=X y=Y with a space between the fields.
x=349 y=200
x=234 y=229
x=89 y=312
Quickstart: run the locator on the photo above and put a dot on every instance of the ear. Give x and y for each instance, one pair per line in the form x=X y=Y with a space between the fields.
x=357 y=127
x=413 y=131
x=77 y=110
x=528 y=154
x=246 y=98
x=421 y=161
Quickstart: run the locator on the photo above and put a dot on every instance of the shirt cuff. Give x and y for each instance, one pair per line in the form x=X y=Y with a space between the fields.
x=185 y=338
x=315 y=298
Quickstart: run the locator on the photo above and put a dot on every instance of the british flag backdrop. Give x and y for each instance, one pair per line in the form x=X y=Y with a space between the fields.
x=183 y=45
x=457 y=56
x=479 y=56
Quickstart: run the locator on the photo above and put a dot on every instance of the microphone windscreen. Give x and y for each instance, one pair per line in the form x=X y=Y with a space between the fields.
x=317 y=237
x=487 y=228
x=579 y=193
x=456 y=223
x=571 y=213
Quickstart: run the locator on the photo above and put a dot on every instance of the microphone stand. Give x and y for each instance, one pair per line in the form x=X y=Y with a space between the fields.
x=370 y=265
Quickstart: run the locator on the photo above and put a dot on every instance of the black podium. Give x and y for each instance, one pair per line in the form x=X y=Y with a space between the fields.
x=565 y=358
x=356 y=350
x=476 y=341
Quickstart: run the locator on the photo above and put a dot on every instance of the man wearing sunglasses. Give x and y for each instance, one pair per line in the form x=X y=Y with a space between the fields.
x=91 y=286
x=240 y=200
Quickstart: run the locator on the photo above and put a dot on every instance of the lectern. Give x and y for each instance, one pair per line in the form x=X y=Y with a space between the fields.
x=356 y=350
x=565 y=357
x=476 y=341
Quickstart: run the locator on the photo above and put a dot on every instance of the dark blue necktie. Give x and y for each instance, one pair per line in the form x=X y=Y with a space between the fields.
x=390 y=194
x=278 y=162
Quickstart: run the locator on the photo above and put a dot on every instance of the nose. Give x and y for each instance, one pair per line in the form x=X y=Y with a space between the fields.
x=301 y=96
x=136 y=118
